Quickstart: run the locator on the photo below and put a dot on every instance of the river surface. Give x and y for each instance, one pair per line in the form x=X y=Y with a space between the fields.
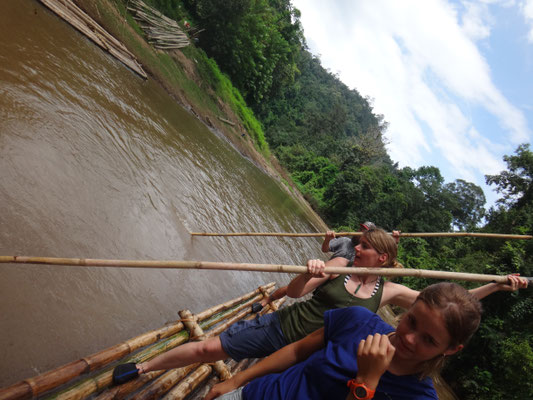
x=97 y=163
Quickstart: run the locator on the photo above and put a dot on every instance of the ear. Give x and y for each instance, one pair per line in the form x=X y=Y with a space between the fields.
x=383 y=258
x=454 y=350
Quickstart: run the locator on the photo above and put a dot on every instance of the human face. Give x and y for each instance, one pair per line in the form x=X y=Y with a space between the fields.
x=421 y=335
x=366 y=256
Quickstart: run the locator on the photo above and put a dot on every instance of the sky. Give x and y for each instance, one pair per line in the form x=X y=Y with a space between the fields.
x=453 y=79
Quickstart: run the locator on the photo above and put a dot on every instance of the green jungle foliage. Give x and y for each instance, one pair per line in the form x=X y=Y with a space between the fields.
x=332 y=143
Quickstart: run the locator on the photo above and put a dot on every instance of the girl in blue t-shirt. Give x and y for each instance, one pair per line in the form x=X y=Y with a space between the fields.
x=357 y=354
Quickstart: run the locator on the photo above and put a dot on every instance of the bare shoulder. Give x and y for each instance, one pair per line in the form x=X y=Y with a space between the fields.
x=337 y=262
x=400 y=295
x=393 y=287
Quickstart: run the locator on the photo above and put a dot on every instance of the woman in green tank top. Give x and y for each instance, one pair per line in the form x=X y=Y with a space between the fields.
x=266 y=334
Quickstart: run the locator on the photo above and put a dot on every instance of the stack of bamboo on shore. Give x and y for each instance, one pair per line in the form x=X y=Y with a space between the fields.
x=76 y=17
x=161 y=31
x=91 y=376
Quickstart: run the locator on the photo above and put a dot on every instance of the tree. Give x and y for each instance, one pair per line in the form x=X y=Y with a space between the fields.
x=466 y=203
x=516 y=183
x=253 y=41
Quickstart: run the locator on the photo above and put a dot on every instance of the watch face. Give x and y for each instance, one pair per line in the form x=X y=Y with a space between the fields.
x=360 y=392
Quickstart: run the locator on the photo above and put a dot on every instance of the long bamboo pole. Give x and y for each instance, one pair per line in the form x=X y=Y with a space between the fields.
x=420 y=234
x=291 y=269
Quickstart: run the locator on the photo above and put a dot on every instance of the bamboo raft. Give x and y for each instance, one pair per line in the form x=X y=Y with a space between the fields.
x=91 y=376
x=162 y=32
x=75 y=16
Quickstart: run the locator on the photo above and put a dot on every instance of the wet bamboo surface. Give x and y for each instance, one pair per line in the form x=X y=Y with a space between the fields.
x=92 y=375
x=71 y=13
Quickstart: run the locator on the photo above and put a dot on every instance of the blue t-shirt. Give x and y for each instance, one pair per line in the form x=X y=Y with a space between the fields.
x=342 y=247
x=325 y=373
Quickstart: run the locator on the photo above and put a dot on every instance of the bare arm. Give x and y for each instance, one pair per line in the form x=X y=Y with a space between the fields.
x=402 y=296
x=315 y=276
x=278 y=294
x=277 y=362
x=399 y=295
x=330 y=235
x=514 y=283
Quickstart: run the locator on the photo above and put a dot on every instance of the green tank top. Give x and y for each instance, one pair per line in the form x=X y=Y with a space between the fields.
x=302 y=318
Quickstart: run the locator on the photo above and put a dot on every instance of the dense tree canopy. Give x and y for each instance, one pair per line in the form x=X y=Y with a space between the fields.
x=254 y=41
x=499 y=362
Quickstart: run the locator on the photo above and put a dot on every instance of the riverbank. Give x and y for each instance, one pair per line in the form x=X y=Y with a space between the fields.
x=195 y=82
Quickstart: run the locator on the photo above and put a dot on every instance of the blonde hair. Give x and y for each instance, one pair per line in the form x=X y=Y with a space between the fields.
x=384 y=243
x=461 y=312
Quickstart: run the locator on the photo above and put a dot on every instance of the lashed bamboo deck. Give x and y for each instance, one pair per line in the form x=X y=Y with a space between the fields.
x=91 y=376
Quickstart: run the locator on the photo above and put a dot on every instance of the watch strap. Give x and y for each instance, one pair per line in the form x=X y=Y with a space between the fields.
x=360 y=391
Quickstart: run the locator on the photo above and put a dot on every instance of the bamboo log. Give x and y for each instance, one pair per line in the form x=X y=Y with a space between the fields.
x=99 y=382
x=190 y=383
x=86 y=387
x=185 y=387
x=143 y=6
x=338 y=234
x=233 y=366
x=290 y=269
x=37 y=385
x=158 y=27
x=163 y=384
x=197 y=333
x=58 y=376
x=246 y=305
x=122 y=391
x=72 y=14
x=226 y=121
x=224 y=306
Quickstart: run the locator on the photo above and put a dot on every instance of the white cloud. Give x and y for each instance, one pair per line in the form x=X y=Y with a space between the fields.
x=527 y=10
x=476 y=20
x=420 y=63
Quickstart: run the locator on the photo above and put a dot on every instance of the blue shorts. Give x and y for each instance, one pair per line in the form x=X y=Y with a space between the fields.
x=256 y=338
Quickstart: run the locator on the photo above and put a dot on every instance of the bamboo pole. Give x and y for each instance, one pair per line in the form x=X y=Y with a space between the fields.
x=234 y=367
x=185 y=387
x=161 y=32
x=37 y=385
x=224 y=306
x=76 y=17
x=197 y=333
x=244 y=306
x=190 y=383
x=338 y=234
x=102 y=380
x=122 y=391
x=290 y=269
x=164 y=383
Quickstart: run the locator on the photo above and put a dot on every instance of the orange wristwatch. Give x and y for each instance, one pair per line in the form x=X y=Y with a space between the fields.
x=360 y=391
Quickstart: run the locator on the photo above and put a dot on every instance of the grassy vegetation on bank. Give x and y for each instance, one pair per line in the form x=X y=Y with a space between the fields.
x=200 y=84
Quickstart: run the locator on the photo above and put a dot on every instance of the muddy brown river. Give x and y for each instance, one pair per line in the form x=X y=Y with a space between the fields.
x=97 y=163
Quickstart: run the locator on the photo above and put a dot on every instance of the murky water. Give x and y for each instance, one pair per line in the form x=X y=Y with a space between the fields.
x=97 y=163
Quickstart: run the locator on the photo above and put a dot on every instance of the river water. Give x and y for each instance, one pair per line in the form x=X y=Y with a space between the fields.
x=97 y=163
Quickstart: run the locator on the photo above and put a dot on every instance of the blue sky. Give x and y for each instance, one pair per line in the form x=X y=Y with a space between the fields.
x=454 y=79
